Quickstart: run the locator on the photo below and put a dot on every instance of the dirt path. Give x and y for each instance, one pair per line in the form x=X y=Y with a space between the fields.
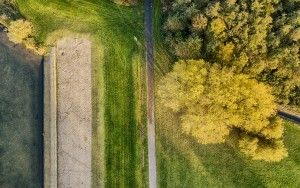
x=74 y=112
x=289 y=116
x=150 y=94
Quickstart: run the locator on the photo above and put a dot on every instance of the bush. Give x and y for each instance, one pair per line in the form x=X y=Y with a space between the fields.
x=19 y=31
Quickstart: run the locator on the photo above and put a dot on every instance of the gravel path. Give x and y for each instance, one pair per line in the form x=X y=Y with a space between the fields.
x=150 y=94
x=74 y=112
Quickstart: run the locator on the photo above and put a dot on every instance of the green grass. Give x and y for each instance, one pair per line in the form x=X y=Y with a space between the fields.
x=21 y=155
x=118 y=142
x=182 y=162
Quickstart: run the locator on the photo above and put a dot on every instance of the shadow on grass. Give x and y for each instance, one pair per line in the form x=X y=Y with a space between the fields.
x=185 y=163
x=21 y=120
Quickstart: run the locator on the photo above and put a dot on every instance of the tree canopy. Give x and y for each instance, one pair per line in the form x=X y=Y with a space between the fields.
x=21 y=32
x=213 y=102
x=260 y=38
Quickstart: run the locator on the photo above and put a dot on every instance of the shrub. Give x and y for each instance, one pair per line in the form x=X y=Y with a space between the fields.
x=19 y=30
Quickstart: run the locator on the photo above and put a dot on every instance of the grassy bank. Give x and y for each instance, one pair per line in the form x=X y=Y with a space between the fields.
x=118 y=142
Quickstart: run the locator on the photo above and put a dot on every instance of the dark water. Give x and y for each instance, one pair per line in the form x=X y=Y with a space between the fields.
x=21 y=156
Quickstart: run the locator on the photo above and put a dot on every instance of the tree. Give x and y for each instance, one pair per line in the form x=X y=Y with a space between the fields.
x=19 y=30
x=199 y=22
x=259 y=38
x=188 y=49
x=212 y=102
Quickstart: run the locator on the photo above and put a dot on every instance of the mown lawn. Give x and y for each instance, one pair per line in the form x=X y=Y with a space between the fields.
x=184 y=163
x=119 y=145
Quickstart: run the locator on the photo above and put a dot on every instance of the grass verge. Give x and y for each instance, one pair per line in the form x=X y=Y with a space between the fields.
x=118 y=144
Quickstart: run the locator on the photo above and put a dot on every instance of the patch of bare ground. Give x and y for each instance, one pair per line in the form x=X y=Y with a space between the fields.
x=74 y=112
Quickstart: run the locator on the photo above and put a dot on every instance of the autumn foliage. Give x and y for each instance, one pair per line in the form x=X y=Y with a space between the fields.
x=21 y=32
x=213 y=101
x=260 y=38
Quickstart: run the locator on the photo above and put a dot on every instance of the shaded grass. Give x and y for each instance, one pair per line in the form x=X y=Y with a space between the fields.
x=21 y=141
x=112 y=28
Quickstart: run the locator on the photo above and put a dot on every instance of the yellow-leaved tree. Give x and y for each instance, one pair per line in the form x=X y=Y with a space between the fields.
x=212 y=102
x=21 y=32
x=260 y=38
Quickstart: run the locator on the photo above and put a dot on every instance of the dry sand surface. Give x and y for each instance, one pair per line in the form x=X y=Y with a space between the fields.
x=74 y=112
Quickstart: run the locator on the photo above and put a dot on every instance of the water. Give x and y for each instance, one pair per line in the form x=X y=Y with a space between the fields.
x=21 y=156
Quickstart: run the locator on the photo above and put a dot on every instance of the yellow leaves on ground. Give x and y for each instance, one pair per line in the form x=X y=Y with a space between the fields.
x=31 y=45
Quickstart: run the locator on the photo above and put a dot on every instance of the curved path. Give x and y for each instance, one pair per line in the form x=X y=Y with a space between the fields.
x=150 y=94
x=289 y=116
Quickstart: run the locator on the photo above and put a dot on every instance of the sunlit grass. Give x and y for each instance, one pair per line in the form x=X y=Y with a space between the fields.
x=118 y=148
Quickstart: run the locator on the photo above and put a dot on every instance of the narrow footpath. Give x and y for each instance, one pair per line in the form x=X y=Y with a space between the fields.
x=150 y=94
x=289 y=116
